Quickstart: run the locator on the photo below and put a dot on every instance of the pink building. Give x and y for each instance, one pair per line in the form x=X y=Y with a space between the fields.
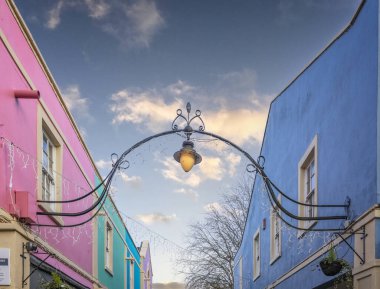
x=42 y=158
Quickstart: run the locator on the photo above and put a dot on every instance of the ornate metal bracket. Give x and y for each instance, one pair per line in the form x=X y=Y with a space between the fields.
x=363 y=237
x=27 y=248
x=188 y=130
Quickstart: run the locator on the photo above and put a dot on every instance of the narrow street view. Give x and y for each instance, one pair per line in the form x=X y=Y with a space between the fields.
x=165 y=144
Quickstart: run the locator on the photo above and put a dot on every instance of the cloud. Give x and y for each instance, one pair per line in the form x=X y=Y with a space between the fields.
x=77 y=104
x=54 y=15
x=232 y=160
x=102 y=164
x=98 y=9
x=174 y=172
x=212 y=206
x=212 y=168
x=179 y=88
x=145 y=19
x=188 y=192
x=172 y=285
x=143 y=107
x=134 y=181
x=133 y=24
x=240 y=120
x=156 y=218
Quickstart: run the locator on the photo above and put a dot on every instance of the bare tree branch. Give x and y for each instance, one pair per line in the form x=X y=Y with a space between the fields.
x=214 y=242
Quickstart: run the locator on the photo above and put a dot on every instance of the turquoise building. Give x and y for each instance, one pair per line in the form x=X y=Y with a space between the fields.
x=117 y=261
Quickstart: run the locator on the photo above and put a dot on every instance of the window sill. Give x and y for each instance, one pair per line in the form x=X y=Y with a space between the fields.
x=108 y=270
x=302 y=232
x=274 y=259
x=56 y=219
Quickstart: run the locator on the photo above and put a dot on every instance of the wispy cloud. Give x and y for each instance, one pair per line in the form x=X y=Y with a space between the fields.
x=134 y=24
x=98 y=9
x=174 y=172
x=145 y=19
x=156 y=218
x=77 y=104
x=188 y=192
x=134 y=181
x=54 y=15
x=103 y=164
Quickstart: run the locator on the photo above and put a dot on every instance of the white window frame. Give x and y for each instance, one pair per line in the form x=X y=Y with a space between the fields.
x=275 y=234
x=108 y=247
x=256 y=255
x=48 y=169
x=50 y=174
x=306 y=192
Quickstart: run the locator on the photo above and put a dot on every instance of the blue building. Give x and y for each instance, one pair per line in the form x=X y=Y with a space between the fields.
x=321 y=146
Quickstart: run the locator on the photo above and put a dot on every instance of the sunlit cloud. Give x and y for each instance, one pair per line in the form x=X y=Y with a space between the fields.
x=134 y=181
x=156 y=218
x=233 y=160
x=211 y=168
x=188 y=192
x=152 y=109
x=74 y=101
x=103 y=164
x=174 y=172
x=143 y=107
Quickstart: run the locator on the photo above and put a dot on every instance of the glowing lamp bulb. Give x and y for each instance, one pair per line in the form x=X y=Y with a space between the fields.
x=187 y=160
x=187 y=156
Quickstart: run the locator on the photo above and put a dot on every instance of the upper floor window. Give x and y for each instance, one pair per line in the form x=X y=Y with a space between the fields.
x=50 y=144
x=308 y=185
x=256 y=255
x=48 y=168
x=275 y=233
x=109 y=247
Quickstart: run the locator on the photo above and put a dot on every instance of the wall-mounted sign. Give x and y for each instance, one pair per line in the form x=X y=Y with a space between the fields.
x=5 y=266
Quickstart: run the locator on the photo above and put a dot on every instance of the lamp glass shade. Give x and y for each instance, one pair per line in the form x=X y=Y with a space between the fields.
x=187 y=160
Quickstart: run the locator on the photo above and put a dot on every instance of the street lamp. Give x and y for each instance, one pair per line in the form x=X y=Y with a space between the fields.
x=187 y=156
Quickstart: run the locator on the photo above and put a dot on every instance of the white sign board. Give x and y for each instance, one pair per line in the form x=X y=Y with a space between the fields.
x=5 y=266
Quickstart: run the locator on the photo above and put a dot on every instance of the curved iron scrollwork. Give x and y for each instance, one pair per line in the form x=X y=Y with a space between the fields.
x=188 y=130
x=255 y=166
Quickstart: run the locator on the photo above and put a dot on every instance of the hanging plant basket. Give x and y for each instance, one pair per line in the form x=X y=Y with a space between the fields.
x=331 y=268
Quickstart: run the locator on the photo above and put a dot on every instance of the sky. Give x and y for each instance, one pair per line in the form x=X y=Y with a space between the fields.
x=125 y=67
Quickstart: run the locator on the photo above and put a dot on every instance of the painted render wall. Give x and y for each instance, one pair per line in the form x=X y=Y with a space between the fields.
x=117 y=278
x=334 y=98
x=18 y=124
x=133 y=252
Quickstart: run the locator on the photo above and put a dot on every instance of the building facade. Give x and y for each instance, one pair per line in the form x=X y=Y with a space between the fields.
x=321 y=146
x=146 y=264
x=44 y=162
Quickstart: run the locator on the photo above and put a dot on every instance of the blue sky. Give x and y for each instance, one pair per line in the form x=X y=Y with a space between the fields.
x=124 y=67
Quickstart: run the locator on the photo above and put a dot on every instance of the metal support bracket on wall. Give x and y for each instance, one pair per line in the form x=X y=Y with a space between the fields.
x=23 y=264
x=362 y=232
